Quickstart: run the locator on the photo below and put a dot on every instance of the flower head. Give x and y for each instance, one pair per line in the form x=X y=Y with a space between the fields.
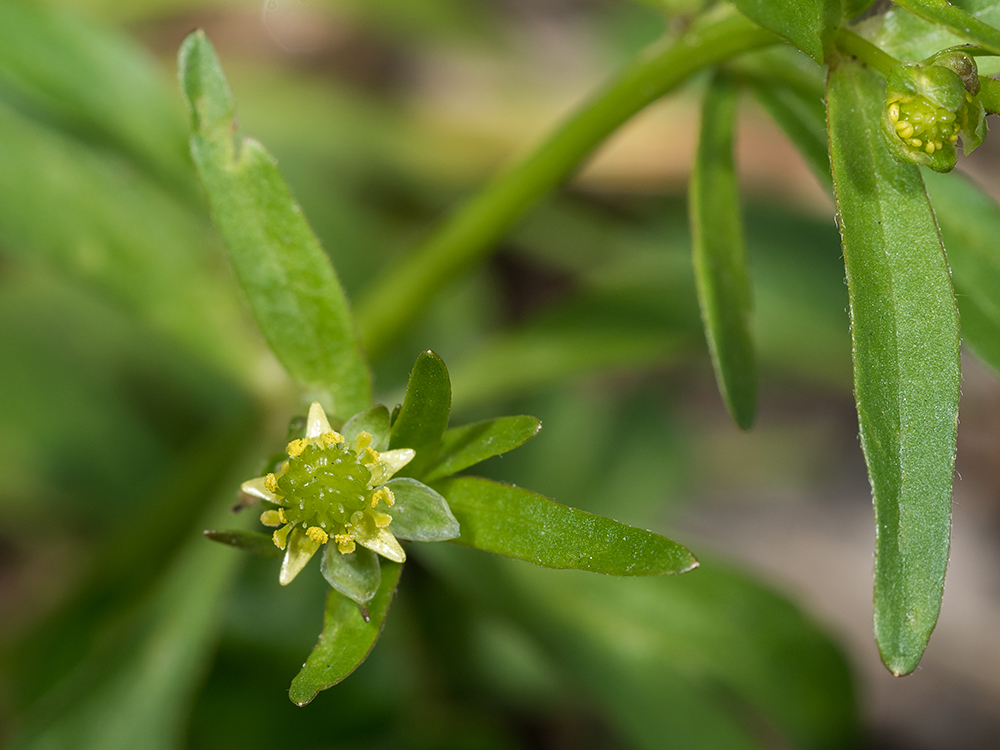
x=929 y=105
x=335 y=490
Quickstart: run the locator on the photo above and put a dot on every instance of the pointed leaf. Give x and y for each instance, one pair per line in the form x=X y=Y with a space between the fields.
x=970 y=226
x=420 y=514
x=424 y=416
x=517 y=523
x=346 y=639
x=356 y=575
x=720 y=261
x=248 y=541
x=808 y=24
x=904 y=326
x=465 y=446
x=288 y=279
x=374 y=421
x=956 y=20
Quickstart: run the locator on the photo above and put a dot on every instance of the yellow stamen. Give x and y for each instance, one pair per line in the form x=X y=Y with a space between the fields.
x=317 y=534
x=295 y=448
x=271 y=483
x=363 y=441
x=894 y=112
x=281 y=515
x=271 y=518
x=332 y=438
x=930 y=147
x=390 y=499
x=382 y=520
x=280 y=536
x=345 y=543
x=916 y=142
x=370 y=457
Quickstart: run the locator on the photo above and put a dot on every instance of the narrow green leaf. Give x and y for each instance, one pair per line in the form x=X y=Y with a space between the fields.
x=374 y=421
x=720 y=262
x=424 y=416
x=356 y=575
x=465 y=446
x=248 y=541
x=420 y=514
x=346 y=640
x=970 y=225
x=288 y=279
x=517 y=523
x=808 y=24
x=904 y=326
x=956 y=20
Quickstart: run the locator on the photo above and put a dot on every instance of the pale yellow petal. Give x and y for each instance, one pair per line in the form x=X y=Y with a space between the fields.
x=256 y=488
x=317 y=423
x=393 y=461
x=382 y=542
x=300 y=550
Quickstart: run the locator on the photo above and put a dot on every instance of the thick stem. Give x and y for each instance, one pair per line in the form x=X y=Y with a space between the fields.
x=865 y=51
x=471 y=232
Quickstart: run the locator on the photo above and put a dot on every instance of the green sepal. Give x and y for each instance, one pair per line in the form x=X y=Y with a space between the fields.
x=248 y=541
x=347 y=638
x=465 y=446
x=374 y=421
x=357 y=575
x=420 y=514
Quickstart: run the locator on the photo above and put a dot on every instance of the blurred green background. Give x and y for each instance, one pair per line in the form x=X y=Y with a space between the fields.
x=135 y=394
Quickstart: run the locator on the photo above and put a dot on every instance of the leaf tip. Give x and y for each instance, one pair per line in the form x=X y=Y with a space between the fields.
x=203 y=83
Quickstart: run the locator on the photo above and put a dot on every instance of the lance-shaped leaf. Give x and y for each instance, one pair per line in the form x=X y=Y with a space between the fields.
x=346 y=640
x=808 y=24
x=955 y=19
x=424 y=416
x=465 y=446
x=720 y=255
x=904 y=326
x=292 y=288
x=527 y=526
x=970 y=226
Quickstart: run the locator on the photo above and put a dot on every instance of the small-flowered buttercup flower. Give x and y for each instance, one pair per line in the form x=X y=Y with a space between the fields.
x=336 y=489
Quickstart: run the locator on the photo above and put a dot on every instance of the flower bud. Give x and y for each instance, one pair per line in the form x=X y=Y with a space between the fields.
x=929 y=105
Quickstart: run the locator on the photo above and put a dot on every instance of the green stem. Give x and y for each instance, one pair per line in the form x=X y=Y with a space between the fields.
x=471 y=233
x=865 y=51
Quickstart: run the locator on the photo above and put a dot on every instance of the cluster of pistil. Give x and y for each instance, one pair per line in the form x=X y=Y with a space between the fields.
x=327 y=489
x=921 y=124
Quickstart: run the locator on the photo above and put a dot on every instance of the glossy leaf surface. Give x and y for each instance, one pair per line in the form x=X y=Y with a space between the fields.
x=288 y=279
x=424 y=416
x=904 y=326
x=807 y=24
x=420 y=514
x=527 y=526
x=720 y=259
x=465 y=446
x=346 y=640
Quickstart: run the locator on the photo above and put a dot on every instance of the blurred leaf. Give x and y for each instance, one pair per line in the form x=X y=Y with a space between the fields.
x=906 y=363
x=854 y=8
x=424 y=416
x=466 y=446
x=808 y=24
x=956 y=20
x=96 y=83
x=346 y=640
x=135 y=689
x=253 y=542
x=909 y=37
x=517 y=523
x=92 y=217
x=720 y=262
x=970 y=225
x=292 y=288
x=702 y=661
